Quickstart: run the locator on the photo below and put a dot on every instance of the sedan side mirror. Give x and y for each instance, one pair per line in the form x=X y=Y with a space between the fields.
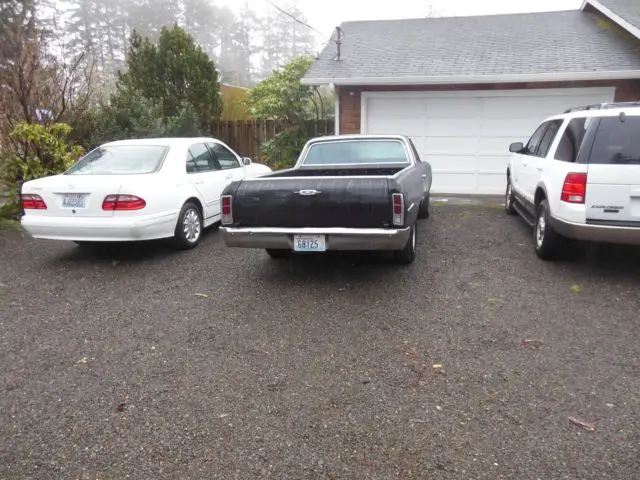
x=516 y=147
x=246 y=160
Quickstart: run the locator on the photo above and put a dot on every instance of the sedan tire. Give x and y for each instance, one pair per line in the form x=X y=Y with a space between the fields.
x=189 y=228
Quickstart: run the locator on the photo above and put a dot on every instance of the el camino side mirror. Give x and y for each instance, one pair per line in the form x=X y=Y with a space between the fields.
x=246 y=160
x=516 y=147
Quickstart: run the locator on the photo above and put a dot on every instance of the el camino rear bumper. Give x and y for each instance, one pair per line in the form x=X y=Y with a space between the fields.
x=335 y=238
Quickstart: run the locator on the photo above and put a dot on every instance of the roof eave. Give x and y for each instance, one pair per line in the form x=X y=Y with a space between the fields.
x=476 y=79
x=613 y=16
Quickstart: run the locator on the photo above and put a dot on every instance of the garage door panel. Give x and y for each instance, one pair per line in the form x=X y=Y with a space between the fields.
x=402 y=108
x=453 y=108
x=517 y=128
x=452 y=127
x=450 y=145
x=466 y=135
x=495 y=145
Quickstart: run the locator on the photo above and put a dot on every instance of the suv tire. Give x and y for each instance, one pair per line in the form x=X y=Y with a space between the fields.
x=509 y=199
x=547 y=241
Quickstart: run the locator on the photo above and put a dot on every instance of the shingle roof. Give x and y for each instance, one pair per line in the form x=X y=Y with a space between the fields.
x=570 y=42
x=628 y=10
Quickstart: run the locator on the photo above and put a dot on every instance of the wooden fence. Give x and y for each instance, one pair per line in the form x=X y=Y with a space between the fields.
x=246 y=136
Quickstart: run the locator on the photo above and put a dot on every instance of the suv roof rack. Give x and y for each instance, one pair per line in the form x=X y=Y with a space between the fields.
x=602 y=106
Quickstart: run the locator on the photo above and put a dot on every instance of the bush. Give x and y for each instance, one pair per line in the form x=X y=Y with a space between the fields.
x=283 y=149
x=36 y=151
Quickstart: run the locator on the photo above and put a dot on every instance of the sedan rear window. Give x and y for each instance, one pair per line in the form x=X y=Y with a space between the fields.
x=120 y=160
x=346 y=152
x=617 y=141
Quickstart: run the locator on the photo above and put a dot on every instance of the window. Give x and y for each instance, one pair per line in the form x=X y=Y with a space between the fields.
x=225 y=157
x=199 y=159
x=120 y=160
x=415 y=151
x=548 y=137
x=534 y=141
x=345 y=152
x=617 y=141
x=571 y=140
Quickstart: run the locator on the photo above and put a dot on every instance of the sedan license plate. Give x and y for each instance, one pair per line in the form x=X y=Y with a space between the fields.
x=73 y=200
x=309 y=243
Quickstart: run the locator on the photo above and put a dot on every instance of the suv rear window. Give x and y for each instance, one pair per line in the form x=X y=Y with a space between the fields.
x=345 y=152
x=120 y=160
x=617 y=141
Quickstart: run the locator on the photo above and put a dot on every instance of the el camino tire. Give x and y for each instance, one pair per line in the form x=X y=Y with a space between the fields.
x=423 y=212
x=408 y=254
x=274 y=253
x=189 y=228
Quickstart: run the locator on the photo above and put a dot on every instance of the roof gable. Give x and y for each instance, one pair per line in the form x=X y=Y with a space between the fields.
x=558 y=45
x=626 y=13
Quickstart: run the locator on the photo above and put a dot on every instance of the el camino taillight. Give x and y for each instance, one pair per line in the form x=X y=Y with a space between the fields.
x=227 y=212
x=398 y=209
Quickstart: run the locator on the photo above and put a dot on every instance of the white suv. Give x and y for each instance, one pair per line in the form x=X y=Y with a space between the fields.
x=578 y=177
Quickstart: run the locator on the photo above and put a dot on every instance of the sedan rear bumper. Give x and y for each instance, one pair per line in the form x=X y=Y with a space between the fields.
x=335 y=238
x=101 y=229
x=597 y=233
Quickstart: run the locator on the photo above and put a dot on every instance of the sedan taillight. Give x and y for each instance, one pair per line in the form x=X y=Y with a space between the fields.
x=31 y=201
x=123 y=202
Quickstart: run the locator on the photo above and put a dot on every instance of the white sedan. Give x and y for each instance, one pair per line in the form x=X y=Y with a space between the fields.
x=133 y=190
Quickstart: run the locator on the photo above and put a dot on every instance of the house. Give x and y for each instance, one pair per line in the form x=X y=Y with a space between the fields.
x=232 y=107
x=464 y=88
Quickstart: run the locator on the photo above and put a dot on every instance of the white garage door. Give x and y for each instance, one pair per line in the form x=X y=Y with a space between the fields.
x=466 y=135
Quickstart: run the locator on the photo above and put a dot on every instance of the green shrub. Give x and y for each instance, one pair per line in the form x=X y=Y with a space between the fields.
x=36 y=151
x=283 y=149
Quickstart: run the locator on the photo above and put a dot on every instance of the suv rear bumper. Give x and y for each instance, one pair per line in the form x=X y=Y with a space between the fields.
x=597 y=233
x=335 y=238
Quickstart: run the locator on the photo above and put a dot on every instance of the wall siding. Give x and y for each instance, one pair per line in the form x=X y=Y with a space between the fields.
x=350 y=104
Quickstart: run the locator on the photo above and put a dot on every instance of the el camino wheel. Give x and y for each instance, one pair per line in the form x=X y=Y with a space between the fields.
x=408 y=254
x=509 y=199
x=423 y=212
x=189 y=228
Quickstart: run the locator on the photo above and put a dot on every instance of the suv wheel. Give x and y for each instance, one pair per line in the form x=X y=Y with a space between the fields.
x=509 y=199
x=547 y=240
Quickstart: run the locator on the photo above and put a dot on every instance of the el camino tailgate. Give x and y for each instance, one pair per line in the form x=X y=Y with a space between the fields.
x=313 y=202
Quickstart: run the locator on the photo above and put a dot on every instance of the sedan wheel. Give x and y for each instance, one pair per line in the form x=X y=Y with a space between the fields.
x=189 y=227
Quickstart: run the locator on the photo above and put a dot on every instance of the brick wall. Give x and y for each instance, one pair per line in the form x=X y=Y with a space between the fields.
x=349 y=97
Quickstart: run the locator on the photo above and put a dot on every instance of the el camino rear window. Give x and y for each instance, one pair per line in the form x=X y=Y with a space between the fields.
x=120 y=160
x=349 y=152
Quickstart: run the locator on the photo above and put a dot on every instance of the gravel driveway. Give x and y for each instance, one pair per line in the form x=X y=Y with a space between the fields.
x=141 y=362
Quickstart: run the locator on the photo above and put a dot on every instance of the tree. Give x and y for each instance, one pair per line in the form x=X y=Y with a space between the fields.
x=283 y=97
x=173 y=73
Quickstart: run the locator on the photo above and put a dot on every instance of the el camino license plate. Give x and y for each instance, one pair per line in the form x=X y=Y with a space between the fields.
x=73 y=200
x=309 y=243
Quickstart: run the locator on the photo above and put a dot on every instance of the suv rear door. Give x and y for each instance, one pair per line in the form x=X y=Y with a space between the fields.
x=613 y=179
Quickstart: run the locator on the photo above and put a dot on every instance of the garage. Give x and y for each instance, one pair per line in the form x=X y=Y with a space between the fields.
x=465 y=135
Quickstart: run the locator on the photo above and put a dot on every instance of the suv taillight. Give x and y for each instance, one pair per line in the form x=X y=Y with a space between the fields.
x=574 y=189
x=227 y=212
x=398 y=209
x=123 y=202
x=31 y=201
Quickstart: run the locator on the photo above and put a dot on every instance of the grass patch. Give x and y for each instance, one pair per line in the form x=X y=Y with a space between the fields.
x=439 y=204
x=9 y=224
x=575 y=288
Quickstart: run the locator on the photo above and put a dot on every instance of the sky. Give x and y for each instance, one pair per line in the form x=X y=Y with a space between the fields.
x=325 y=15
